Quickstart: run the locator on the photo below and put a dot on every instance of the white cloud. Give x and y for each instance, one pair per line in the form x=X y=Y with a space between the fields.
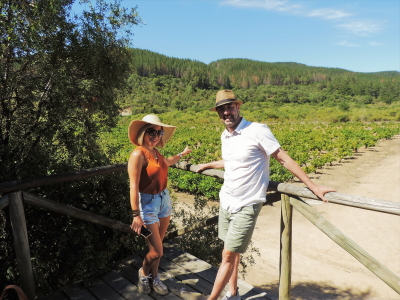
x=362 y=27
x=375 y=44
x=328 y=13
x=355 y=26
x=279 y=5
x=347 y=44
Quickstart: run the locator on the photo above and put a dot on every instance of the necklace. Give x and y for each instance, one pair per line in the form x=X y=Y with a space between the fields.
x=155 y=154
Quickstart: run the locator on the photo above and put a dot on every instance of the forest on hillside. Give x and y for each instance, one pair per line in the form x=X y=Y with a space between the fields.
x=160 y=84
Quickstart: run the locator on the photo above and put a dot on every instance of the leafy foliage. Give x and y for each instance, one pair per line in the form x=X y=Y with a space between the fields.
x=160 y=84
x=311 y=144
x=60 y=75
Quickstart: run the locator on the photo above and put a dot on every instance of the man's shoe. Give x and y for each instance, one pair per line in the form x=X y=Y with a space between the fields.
x=144 y=282
x=228 y=296
x=159 y=287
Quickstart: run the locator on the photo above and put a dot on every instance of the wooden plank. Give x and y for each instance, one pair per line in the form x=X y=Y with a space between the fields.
x=197 y=283
x=384 y=206
x=122 y=285
x=347 y=244
x=76 y=213
x=136 y=261
x=193 y=168
x=21 y=243
x=389 y=207
x=285 y=264
x=23 y=184
x=59 y=295
x=131 y=274
x=77 y=291
x=207 y=272
x=4 y=201
x=103 y=291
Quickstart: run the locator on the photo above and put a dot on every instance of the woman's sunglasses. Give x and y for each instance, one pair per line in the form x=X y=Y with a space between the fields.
x=153 y=132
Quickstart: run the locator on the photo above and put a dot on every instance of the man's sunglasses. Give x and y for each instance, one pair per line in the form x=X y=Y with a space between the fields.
x=153 y=132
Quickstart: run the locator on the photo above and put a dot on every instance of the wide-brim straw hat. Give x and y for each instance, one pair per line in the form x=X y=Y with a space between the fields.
x=224 y=97
x=137 y=127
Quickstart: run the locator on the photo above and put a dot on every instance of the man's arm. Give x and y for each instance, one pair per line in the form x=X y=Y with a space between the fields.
x=285 y=160
x=219 y=164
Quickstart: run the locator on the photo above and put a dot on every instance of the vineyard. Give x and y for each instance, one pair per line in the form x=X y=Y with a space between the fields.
x=311 y=144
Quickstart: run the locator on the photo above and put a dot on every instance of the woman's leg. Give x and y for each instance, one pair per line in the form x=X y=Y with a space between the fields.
x=154 y=242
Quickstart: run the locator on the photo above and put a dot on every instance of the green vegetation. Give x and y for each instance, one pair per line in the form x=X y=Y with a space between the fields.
x=311 y=144
x=162 y=84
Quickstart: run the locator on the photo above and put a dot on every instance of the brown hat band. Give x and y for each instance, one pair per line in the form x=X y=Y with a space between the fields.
x=222 y=102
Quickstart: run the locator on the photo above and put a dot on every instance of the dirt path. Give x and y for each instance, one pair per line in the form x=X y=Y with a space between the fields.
x=320 y=268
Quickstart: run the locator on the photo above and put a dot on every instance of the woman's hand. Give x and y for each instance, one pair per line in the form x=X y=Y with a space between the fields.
x=187 y=150
x=137 y=224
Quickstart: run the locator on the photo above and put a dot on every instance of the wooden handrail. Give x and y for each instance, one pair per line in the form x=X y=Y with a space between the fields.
x=384 y=206
x=23 y=184
x=76 y=213
x=379 y=205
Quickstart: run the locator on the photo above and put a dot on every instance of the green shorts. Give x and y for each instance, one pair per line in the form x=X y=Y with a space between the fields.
x=236 y=229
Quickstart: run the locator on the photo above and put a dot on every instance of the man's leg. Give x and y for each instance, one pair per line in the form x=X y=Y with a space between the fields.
x=233 y=281
x=227 y=272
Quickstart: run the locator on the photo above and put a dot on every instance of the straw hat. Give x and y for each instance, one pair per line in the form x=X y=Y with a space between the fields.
x=224 y=97
x=137 y=128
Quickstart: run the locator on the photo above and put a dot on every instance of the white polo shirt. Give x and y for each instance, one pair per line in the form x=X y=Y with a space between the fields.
x=246 y=152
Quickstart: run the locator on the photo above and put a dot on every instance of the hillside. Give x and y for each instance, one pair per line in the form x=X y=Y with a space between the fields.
x=160 y=84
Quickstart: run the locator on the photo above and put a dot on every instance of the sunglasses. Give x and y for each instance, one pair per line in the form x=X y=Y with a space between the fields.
x=153 y=132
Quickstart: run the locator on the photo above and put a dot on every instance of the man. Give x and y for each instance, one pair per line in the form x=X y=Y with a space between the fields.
x=246 y=150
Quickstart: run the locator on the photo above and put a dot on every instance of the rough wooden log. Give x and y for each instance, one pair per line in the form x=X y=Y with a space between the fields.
x=285 y=264
x=347 y=244
x=24 y=184
x=389 y=207
x=21 y=243
x=193 y=168
x=4 y=201
x=76 y=213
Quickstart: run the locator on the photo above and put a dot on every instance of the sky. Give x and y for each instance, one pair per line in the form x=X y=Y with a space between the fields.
x=356 y=35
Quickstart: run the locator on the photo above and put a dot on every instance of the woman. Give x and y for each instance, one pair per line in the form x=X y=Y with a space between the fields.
x=150 y=201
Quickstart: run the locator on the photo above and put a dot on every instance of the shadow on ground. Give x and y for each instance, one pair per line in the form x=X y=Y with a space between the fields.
x=314 y=291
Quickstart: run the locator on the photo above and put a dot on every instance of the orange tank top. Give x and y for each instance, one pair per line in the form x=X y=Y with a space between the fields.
x=153 y=178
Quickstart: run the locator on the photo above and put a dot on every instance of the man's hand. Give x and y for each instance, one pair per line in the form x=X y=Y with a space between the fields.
x=201 y=167
x=320 y=191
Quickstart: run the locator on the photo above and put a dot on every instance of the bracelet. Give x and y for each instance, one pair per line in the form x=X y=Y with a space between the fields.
x=135 y=212
x=180 y=155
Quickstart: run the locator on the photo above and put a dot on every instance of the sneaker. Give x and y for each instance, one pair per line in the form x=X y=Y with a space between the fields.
x=228 y=296
x=159 y=287
x=144 y=282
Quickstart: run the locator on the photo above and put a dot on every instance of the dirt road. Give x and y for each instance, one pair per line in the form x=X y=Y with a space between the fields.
x=320 y=268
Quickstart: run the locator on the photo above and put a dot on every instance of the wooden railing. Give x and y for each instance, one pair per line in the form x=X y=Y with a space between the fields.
x=289 y=194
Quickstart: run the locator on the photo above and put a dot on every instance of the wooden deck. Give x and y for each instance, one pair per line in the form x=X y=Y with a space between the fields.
x=186 y=276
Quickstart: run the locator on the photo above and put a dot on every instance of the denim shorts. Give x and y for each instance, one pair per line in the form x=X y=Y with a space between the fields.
x=155 y=206
x=236 y=229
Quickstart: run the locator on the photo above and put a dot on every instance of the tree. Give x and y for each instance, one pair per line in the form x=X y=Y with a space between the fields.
x=59 y=76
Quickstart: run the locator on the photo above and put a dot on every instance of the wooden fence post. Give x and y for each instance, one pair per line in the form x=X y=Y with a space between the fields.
x=20 y=234
x=380 y=270
x=285 y=265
